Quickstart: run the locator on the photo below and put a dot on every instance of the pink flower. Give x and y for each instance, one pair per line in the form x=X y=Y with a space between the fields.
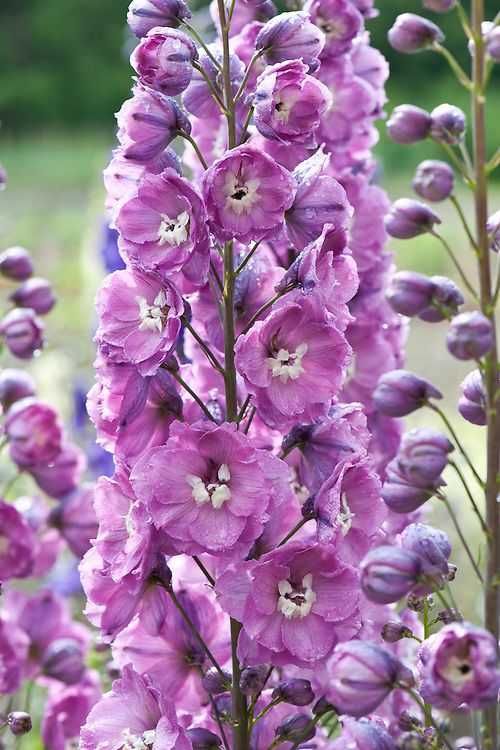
x=164 y=60
x=247 y=194
x=139 y=319
x=34 y=433
x=18 y=544
x=338 y=20
x=14 y=644
x=297 y=602
x=66 y=710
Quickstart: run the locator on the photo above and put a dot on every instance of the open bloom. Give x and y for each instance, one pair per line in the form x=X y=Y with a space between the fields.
x=164 y=60
x=293 y=362
x=208 y=488
x=296 y=602
x=246 y=194
x=139 y=319
x=339 y=21
x=289 y=36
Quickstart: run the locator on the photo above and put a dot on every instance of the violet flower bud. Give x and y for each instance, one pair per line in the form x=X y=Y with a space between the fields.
x=470 y=335
x=16 y=264
x=409 y=124
x=424 y=453
x=35 y=293
x=448 y=616
x=63 y=660
x=214 y=682
x=472 y=402
x=492 y=42
x=291 y=36
x=389 y=573
x=417 y=603
x=445 y=301
x=203 y=739
x=439 y=6
x=144 y=15
x=164 y=60
x=34 y=433
x=409 y=292
x=392 y=632
x=407 y=721
x=465 y=743
x=400 y=392
x=15 y=385
x=296 y=691
x=408 y=218
x=493 y=229
x=296 y=728
x=448 y=124
x=322 y=706
x=253 y=679
x=19 y=722
x=411 y=33
x=434 y=180
x=401 y=493
x=362 y=676
x=22 y=331
x=433 y=549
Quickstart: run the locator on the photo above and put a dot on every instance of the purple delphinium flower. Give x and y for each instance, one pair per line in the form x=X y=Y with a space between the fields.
x=293 y=362
x=458 y=665
x=291 y=36
x=139 y=319
x=408 y=124
x=66 y=710
x=18 y=544
x=470 y=335
x=400 y=392
x=246 y=194
x=339 y=21
x=434 y=180
x=389 y=573
x=144 y=15
x=472 y=402
x=296 y=602
x=34 y=433
x=363 y=734
x=22 y=332
x=164 y=60
x=75 y=519
x=433 y=548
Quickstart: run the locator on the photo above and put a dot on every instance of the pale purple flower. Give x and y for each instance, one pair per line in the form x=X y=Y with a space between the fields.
x=22 y=332
x=18 y=544
x=433 y=548
x=15 y=385
x=122 y=175
x=293 y=362
x=400 y=392
x=164 y=60
x=139 y=319
x=340 y=22
x=470 y=335
x=411 y=33
x=34 y=433
x=14 y=644
x=246 y=194
x=144 y=15
x=472 y=402
x=434 y=180
x=35 y=293
x=289 y=36
x=296 y=602
x=363 y=734
x=458 y=665
x=65 y=712
x=389 y=573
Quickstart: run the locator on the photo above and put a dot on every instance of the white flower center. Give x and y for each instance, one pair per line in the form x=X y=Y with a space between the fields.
x=458 y=671
x=287 y=365
x=138 y=742
x=216 y=493
x=296 y=602
x=345 y=516
x=174 y=231
x=153 y=316
x=241 y=195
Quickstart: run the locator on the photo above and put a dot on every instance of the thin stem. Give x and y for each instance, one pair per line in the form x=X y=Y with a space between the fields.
x=421 y=705
x=203 y=346
x=463 y=539
x=211 y=86
x=457 y=265
x=463 y=220
x=242 y=411
x=464 y=20
x=247 y=258
x=216 y=277
x=244 y=82
x=494 y=162
x=293 y=531
x=239 y=702
x=246 y=124
x=427 y=632
x=256 y=697
x=195 y=146
x=457 y=442
x=204 y=570
x=202 y=44
x=266 y=710
x=192 y=393
x=470 y=496
x=10 y=484
x=465 y=156
x=456 y=160
x=219 y=721
x=457 y=69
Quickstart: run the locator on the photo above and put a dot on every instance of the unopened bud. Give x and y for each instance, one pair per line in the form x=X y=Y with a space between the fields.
x=214 y=682
x=19 y=722
x=395 y=631
x=295 y=691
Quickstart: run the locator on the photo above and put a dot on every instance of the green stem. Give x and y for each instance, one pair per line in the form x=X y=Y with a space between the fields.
x=427 y=632
x=196 y=148
x=212 y=88
x=262 y=309
x=463 y=220
x=457 y=441
x=256 y=55
x=463 y=539
x=204 y=570
x=470 y=496
x=202 y=44
x=421 y=705
x=457 y=265
x=457 y=69
x=203 y=346
x=247 y=258
x=192 y=393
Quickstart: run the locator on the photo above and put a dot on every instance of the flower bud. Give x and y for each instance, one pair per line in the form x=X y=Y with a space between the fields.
x=289 y=36
x=448 y=124
x=493 y=229
x=433 y=549
x=322 y=706
x=35 y=293
x=400 y=392
x=296 y=728
x=470 y=335
x=16 y=264
x=223 y=707
x=439 y=6
x=15 y=385
x=472 y=402
x=409 y=124
x=19 y=722
x=63 y=660
x=22 y=331
x=408 y=218
x=295 y=691
x=411 y=33
x=447 y=616
x=253 y=679
x=424 y=453
x=392 y=632
x=407 y=721
x=445 y=301
x=492 y=42
x=434 y=180
x=203 y=739
x=465 y=743
x=389 y=573
x=409 y=292
x=164 y=60
x=144 y=15
x=214 y=682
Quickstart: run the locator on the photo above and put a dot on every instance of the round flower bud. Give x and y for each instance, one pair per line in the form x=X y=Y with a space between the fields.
x=472 y=402
x=409 y=124
x=214 y=682
x=144 y=15
x=445 y=300
x=22 y=332
x=400 y=392
x=164 y=60
x=35 y=293
x=407 y=721
x=16 y=264
x=389 y=573
x=448 y=124
x=253 y=679
x=409 y=292
x=408 y=218
x=493 y=228
x=203 y=739
x=297 y=728
x=296 y=691
x=448 y=616
x=291 y=36
x=492 y=42
x=433 y=549
x=15 y=385
x=470 y=335
x=63 y=660
x=424 y=453
x=392 y=632
x=34 y=433
x=19 y=722
x=439 y=6
x=411 y=33
x=465 y=743
x=434 y=180
x=322 y=706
